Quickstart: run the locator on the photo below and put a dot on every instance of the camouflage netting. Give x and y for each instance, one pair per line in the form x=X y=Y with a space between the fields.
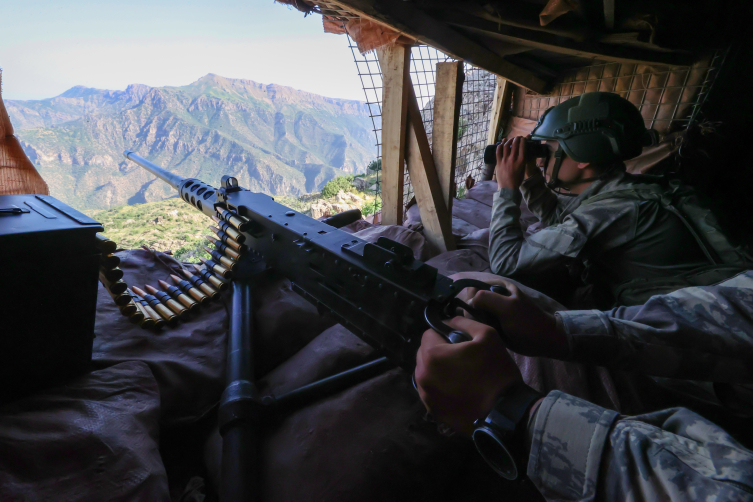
x=17 y=173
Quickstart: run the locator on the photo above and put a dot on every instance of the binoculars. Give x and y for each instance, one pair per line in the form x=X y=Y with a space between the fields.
x=534 y=150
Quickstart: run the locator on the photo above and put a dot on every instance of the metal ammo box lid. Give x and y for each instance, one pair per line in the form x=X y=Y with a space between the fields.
x=49 y=268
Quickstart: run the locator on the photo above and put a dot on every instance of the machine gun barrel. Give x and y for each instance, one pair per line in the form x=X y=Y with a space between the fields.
x=171 y=179
x=197 y=193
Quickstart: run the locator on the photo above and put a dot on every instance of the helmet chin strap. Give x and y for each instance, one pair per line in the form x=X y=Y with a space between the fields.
x=554 y=181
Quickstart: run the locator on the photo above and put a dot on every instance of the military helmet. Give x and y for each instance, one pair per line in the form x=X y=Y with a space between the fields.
x=596 y=127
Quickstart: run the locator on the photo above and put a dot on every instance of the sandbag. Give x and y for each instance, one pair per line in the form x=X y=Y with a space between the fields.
x=422 y=249
x=93 y=439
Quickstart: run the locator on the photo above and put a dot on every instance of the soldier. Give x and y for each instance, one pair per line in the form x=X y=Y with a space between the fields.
x=636 y=237
x=572 y=449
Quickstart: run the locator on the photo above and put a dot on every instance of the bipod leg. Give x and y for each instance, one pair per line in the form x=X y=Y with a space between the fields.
x=240 y=407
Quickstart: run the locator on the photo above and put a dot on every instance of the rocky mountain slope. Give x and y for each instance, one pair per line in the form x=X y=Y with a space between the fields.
x=274 y=139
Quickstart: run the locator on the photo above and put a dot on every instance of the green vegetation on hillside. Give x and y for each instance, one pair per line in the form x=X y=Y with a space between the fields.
x=344 y=183
x=168 y=225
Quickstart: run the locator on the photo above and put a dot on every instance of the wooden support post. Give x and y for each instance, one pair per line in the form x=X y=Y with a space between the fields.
x=500 y=108
x=444 y=136
x=435 y=217
x=394 y=63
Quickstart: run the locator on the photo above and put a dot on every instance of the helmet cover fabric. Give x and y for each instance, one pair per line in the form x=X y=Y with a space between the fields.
x=596 y=127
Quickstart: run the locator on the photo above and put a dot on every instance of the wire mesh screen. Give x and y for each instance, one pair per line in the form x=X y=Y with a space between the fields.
x=473 y=127
x=475 y=110
x=477 y=97
x=668 y=97
x=370 y=74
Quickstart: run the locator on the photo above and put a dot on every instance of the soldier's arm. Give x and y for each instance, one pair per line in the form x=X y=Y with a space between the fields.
x=542 y=202
x=509 y=250
x=698 y=333
x=580 y=451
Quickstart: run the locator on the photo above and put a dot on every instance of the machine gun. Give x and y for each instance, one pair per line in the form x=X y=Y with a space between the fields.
x=377 y=291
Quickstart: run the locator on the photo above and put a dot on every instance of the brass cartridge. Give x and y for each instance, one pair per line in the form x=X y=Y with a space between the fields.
x=153 y=302
x=178 y=295
x=199 y=283
x=224 y=248
x=149 y=313
x=235 y=220
x=217 y=269
x=227 y=240
x=146 y=321
x=229 y=230
x=223 y=260
x=109 y=261
x=186 y=286
x=115 y=288
x=180 y=310
x=112 y=275
x=212 y=279
x=129 y=308
x=105 y=245
x=121 y=299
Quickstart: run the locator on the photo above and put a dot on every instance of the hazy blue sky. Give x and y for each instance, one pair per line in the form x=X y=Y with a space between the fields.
x=47 y=47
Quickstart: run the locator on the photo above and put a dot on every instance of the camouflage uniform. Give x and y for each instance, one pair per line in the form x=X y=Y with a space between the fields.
x=580 y=451
x=619 y=239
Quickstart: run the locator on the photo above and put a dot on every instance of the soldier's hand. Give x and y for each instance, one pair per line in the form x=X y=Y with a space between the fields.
x=511 y=163
x=460 y=383
x=531 y=331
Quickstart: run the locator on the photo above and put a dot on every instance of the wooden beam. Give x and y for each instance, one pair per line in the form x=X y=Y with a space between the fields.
x=435 y=217
x=564 y=45
x=394 y=63
x=404 y=17
x=444 y=134
x=500 y=109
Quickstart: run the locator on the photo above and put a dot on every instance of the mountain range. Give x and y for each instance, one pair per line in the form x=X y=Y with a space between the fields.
x=273 y=138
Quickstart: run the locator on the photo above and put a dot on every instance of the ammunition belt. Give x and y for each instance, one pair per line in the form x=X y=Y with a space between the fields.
x=155 y=308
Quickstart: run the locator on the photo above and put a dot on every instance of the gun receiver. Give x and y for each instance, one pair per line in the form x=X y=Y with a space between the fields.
x=378 y=291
